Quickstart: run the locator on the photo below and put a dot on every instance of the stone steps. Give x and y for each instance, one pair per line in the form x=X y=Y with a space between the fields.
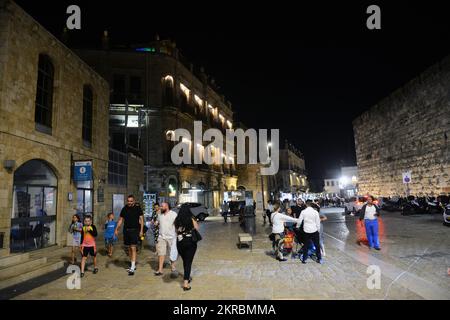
x=13 y=259
x=36 y=272
x=18 y=269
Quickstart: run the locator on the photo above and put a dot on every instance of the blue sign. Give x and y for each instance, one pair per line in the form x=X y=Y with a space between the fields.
x=82 y=171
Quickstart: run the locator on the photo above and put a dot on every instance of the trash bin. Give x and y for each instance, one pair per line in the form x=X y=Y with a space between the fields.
x=250 y=220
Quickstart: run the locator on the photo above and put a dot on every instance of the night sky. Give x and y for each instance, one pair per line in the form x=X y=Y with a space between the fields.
x=307 y=70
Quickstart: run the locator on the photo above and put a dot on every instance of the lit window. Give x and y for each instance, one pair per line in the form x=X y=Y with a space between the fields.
x=168 y=78
x=184 y=89
x=170 y=134
x=198 y=100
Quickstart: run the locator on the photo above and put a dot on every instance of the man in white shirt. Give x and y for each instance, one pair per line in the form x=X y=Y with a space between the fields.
x=278 y=219
x=311 y=227
x=370 y=213
x=167 y=237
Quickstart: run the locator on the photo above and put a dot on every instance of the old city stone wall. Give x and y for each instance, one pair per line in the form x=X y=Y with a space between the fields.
x=409 y=130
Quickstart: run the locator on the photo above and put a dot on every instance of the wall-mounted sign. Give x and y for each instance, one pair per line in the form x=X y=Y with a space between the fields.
x=407 y=177
x=82 y=171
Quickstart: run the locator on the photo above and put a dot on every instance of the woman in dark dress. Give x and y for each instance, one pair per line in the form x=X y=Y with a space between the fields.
x=184 y=225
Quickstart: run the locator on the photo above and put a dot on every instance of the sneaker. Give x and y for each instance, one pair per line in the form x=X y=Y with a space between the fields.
x=82 y=274
x=304 y=261
x=157 y=273
x=319 y=261
x=95 y=271
x=281 y=259
x=131 y=272
x=378 y=248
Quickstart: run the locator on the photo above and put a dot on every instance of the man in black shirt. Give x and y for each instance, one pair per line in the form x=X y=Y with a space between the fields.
x=132 y=218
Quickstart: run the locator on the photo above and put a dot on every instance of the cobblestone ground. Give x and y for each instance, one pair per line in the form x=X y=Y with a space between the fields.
x=414 y=263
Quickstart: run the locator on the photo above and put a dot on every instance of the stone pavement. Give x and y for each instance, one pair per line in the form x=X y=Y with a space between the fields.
x=414 y=263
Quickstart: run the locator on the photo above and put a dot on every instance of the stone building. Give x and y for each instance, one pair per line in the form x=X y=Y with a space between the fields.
x=407 y=131
x=291 y=177
x=155 y=91
x=49 y=102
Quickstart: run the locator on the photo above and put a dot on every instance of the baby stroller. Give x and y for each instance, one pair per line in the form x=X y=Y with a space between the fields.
x=299 y=243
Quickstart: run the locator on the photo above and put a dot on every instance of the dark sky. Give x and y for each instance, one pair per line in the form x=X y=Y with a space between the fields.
x=307 y=70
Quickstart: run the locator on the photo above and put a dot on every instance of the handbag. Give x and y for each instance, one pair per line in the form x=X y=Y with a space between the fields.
x=196 y=236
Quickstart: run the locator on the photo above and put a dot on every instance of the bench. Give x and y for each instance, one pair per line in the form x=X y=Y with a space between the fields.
x=247 y=238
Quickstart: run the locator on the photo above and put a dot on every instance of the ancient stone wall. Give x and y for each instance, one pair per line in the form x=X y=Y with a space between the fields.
x=407 y=131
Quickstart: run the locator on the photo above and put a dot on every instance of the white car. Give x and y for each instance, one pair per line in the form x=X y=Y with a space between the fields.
x=355 y=204
x=198 y=210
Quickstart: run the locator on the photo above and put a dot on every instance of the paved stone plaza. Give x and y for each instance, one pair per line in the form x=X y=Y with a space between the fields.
x=414 y=262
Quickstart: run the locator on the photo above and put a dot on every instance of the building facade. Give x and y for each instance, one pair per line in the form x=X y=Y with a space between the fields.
x=154 y=92
x=331 y=187
x=348 y=181
x=49 y=102
x=407 y=132
x=291 y=177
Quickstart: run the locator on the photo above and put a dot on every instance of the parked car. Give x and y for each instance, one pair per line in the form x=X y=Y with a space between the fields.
x=199 y=211
x=445 y=201
x=353 y=205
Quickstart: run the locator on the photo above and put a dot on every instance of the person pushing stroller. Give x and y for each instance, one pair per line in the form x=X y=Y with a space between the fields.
x=278 y=219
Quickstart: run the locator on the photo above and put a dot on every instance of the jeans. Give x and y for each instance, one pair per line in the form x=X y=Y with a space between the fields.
x=372 y=232
x=186 y=249
x=315 y=238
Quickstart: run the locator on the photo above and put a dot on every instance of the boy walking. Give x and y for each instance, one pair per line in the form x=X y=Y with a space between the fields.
x=110 y=226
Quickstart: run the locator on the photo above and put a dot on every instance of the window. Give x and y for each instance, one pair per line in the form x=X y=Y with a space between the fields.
x=168 y=92
x=33 y=217
x=117 y=168
x=87 y=115
x=118 y=88
x=135 y=88
x=44 y=95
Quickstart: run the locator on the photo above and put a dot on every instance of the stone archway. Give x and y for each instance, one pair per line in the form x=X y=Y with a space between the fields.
x=34 y=208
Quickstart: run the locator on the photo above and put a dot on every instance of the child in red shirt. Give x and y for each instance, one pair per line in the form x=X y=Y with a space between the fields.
x=88 y=245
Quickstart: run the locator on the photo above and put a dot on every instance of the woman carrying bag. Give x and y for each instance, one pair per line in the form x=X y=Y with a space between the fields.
x=187 y=238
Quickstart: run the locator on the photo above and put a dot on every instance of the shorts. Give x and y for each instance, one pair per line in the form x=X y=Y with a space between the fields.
x=130 y=237
x=110 y=241
x=162 y=245
x=89 y=251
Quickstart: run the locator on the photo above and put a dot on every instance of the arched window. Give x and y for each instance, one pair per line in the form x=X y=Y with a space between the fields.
x=44 y=94
x=168 y=91
x=88 y=102
x=33 y=218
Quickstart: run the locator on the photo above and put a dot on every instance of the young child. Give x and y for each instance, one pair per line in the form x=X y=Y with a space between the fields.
x=75 y=229
x=88 y=246
x=110 y=226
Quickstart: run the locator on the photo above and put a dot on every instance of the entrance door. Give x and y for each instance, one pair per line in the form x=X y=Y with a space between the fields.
x=85 y=198
x=33 y=217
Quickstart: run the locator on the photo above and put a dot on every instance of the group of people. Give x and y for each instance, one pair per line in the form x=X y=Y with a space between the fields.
x=305 y=220
x=175 y=234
